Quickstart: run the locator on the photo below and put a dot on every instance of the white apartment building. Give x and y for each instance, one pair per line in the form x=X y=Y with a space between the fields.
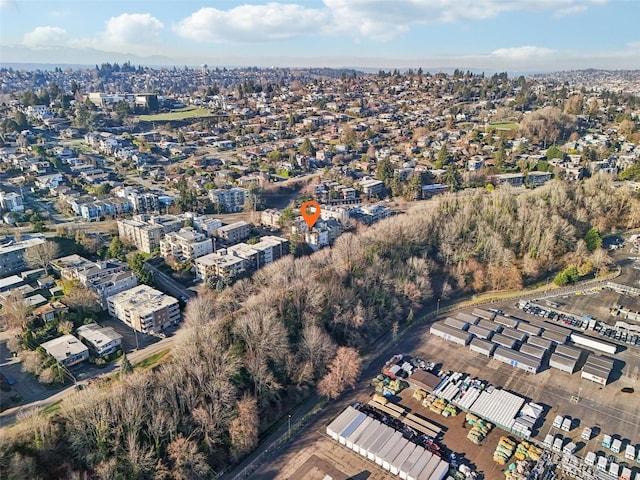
x=185 y=244
x=219 y=265
x=234 y=232
x=206 y=225
x=146 y=231
x=11 y=202
x=145 y=309
x=105 y=278
x=100 y=340
x=232 y=199
x=67 y=350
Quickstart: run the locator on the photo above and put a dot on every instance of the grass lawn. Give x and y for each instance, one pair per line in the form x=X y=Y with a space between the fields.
x=178 y=114
x=153 y=360
x=504 y=126
x=51 y=409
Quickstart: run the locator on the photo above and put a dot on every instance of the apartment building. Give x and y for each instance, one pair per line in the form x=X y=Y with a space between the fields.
x=231 y=199
x=371 y=187
x=101 y=341
x=146 y=231
x=206 y=225
x=230 y=262
x=67 y=350
x=185 y=244
x=234 y=232
x=105 y=278
x=12 y=253
x=11 y=202
x=219 y=265
x=144 y=309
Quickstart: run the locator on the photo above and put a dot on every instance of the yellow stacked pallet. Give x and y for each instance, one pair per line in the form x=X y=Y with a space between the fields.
x=419 y=395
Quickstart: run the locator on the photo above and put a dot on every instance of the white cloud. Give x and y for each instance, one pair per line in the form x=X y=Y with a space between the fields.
x=45 y=37
x=387 y=19
x=375 y=19
x=130 y=32
x=571 y=10
x=247 y=23
x=522 y=53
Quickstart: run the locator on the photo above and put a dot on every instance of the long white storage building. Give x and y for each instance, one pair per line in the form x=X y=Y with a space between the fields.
x=517 y=359
x=563 y=363
x=449 y=333
x=480 y=332
x=597 y=369
x=482 y=346
x=594 y=343
x=386 y=447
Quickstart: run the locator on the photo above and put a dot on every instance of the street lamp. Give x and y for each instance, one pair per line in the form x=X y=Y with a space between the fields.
x=438 y=308
x=289 y=422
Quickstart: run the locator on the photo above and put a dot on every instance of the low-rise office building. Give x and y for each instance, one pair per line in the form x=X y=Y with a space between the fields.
x=145 y=309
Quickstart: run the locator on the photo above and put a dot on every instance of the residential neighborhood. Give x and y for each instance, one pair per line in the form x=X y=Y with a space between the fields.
x=129 y=194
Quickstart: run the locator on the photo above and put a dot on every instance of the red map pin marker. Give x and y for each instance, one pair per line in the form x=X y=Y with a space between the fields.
x=311 y=217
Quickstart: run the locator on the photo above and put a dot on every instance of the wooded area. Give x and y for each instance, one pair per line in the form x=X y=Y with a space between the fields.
x=245 y=352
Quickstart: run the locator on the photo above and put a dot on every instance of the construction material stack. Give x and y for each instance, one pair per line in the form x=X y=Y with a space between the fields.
x=504 y=451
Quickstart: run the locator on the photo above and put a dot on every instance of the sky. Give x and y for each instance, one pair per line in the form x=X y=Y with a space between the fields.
x=489 y=35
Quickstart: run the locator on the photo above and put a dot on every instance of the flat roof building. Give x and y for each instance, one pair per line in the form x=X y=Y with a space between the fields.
x=12 y=253
x=67 y=350
x=144 y=309
x=100 y=340
x=185 y=244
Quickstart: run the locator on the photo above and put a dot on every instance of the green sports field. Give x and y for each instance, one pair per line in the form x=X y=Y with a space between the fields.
x=178 y=114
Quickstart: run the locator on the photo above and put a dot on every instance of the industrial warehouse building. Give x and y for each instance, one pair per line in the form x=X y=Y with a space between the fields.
x=449 y=333
x=513 y=333
x=489 y=325
x=471 y=319
x=504 y=341
x=480 y=332
x=386 y=447
x=479 y=312
x=531 y=330
x=456 y=323
x=594 y=343
x=483 y=347
x=568 y=351
x=533 y=351
x=555 y=337
x=540 y=342
x=563 y=363
x=597 y=369
x=506 y=321
x=517 y=359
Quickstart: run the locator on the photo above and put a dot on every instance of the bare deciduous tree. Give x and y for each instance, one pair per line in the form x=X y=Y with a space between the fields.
x=343 y=372
x=316 y=347
x=188 y=462
x=244 y=428
x=41 y=255
x=200 y=310
x=15 y=312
